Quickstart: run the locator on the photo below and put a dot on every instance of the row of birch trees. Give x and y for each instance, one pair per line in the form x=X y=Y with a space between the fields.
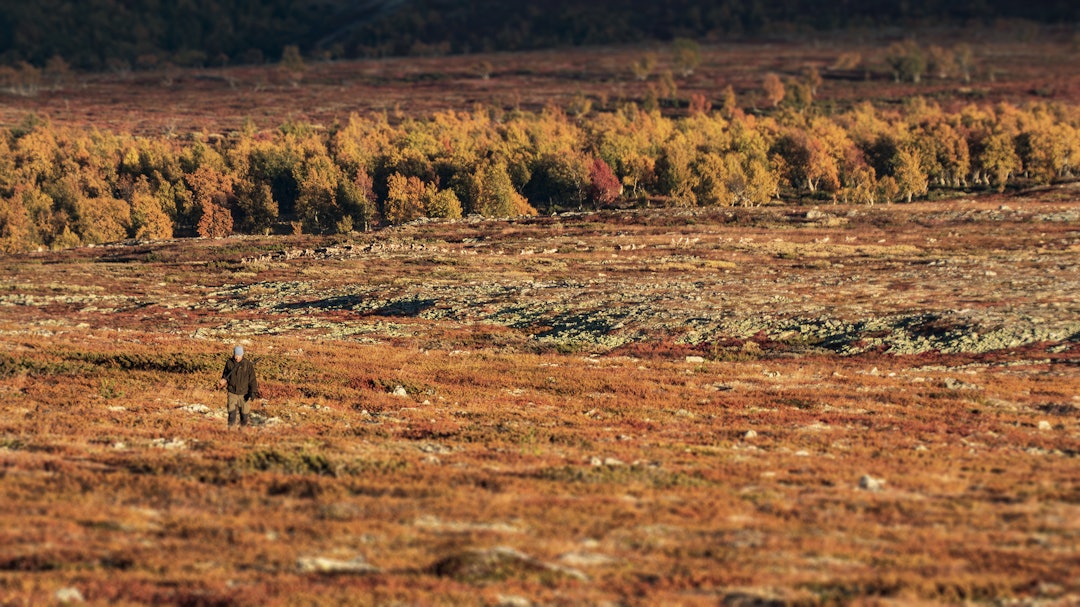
x=63 y=187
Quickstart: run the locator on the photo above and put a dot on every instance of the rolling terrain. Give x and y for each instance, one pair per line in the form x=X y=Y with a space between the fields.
x=787 y=405
x=176 y=102
x=800 y=403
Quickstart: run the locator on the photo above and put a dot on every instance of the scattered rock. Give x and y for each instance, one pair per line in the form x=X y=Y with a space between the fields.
x=318 y=564
x=587 y=559
x=870 y=483
x=955 y=384
x=750 y=434
x=695 y=359
x=400 y=391
x=196 y=408
x=69 y=595
x=761 y=597
x=1045 y=425
x=610 y=462
x=513 y=601
x=258 y=419
x=436 y=524
x=586 y=316
x=1051 y=589
x=170 y=444
x=497 y=564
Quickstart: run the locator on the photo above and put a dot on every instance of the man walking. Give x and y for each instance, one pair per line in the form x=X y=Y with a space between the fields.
x=239 y=379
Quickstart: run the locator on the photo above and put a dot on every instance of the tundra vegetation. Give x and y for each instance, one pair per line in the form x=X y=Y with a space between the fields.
x=542 y=356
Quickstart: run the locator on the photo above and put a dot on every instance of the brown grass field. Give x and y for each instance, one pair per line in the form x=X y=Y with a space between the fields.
x=787 y=405
x=1043 y=66
x=590 y=408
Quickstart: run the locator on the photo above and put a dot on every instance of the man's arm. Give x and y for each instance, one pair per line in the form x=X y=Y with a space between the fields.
x=224 y=373
x=253 y=386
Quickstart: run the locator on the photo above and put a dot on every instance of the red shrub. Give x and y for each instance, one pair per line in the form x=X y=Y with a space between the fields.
x=604 y=186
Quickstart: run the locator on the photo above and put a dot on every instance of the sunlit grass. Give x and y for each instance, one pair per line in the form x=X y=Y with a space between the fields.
x=662 y=471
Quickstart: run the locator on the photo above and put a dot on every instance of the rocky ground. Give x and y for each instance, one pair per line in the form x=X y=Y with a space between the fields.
x=962 y=277
x=790 y=405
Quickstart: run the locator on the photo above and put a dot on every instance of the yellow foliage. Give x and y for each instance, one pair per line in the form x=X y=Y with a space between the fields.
x=489 y=161
x=404 y=199
x=148 y=219
x=101 y=220
x=16 y=228
x=774 y=89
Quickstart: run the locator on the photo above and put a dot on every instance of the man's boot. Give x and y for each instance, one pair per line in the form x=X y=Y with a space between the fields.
x=232 y=418
x=244 y=419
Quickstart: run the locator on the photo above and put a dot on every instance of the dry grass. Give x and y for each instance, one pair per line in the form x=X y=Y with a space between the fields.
x=550 y=403
x=535 y=417
x=220 y=100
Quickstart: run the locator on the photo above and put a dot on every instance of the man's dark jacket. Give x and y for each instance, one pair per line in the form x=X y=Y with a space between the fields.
x=240 y=377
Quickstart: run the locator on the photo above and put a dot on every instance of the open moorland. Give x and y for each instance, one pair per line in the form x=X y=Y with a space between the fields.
x=1006 y=65
x=792 y=404
x=783 y=405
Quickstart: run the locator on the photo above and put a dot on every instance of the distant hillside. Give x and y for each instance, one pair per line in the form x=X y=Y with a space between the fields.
x=459 y=26
x=118 y=34
x=136 y=34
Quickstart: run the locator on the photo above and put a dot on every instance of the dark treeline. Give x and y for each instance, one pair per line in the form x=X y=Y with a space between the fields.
x=115 y=34
x=462 y=26
x=143 y=34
